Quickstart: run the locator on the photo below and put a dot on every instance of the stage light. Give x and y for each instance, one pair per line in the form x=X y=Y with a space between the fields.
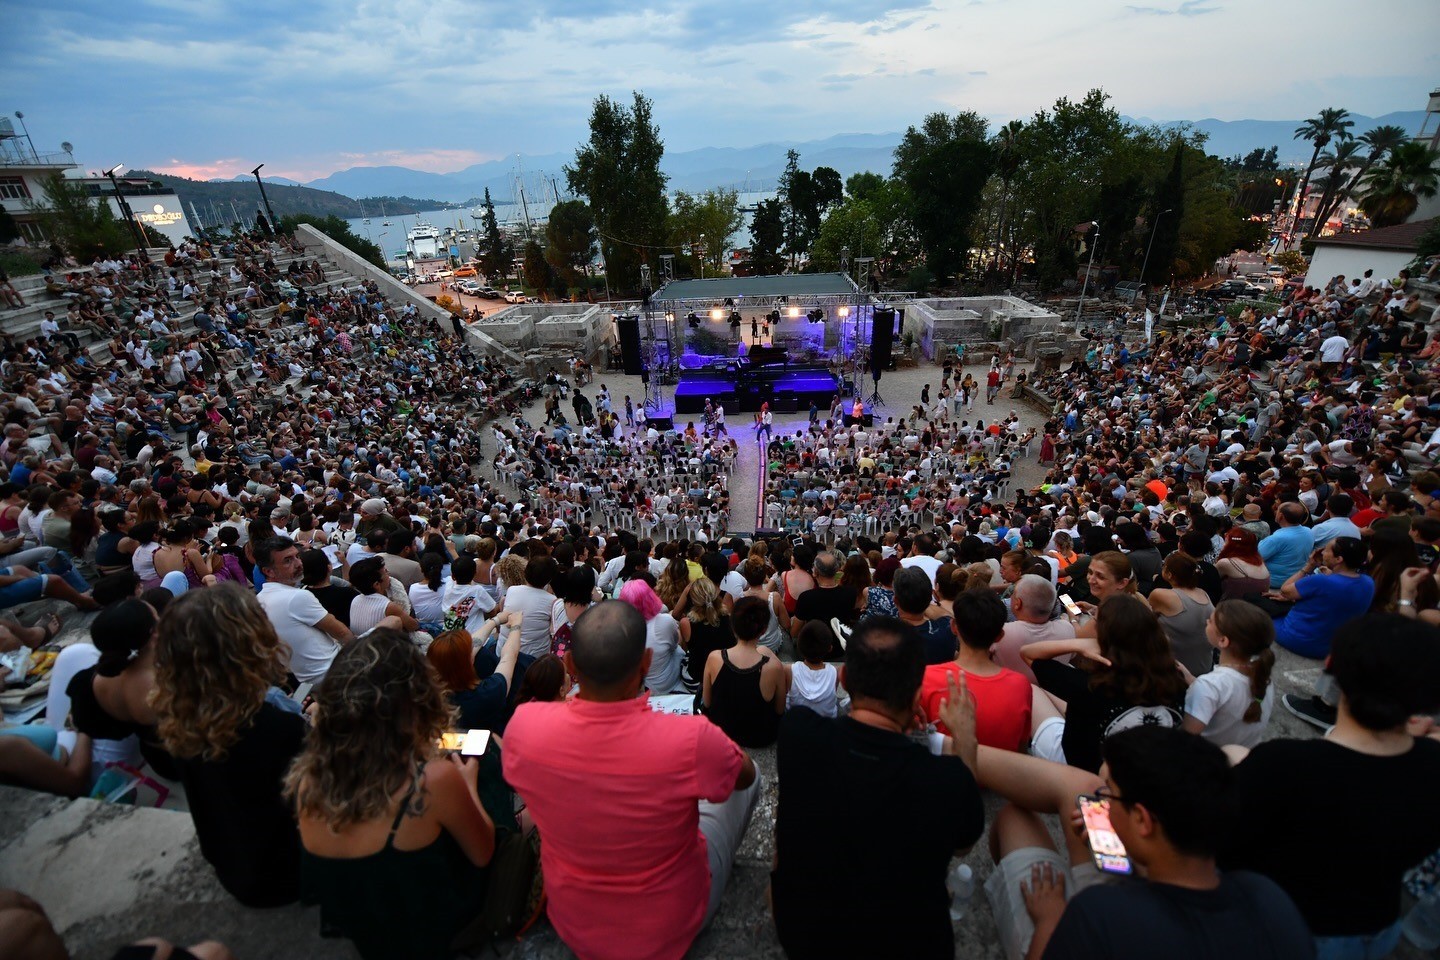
x=717 y=314
x=793 y=312
x=669 y=318
x=844 y=312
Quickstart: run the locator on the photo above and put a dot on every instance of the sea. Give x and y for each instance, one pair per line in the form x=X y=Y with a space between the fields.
x=391 y=239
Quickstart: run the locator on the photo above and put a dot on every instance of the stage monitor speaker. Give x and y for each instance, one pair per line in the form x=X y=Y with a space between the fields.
x=882 y=339
x=629 y=328
x=661 y=423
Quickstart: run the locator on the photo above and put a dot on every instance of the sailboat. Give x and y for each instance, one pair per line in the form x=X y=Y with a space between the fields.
x=383 y=223
x=363 y=218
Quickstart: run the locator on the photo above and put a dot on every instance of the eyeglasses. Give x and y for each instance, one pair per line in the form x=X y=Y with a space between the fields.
x=1105 y=793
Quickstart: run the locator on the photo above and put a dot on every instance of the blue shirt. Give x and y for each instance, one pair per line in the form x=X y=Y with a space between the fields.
x=1286 y=551
x=1327 y=600
x=1323 y=533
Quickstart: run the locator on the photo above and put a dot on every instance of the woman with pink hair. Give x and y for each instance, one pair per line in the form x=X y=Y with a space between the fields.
x=662 y=637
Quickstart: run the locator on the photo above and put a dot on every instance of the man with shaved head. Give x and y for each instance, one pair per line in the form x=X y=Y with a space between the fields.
x=642 y=812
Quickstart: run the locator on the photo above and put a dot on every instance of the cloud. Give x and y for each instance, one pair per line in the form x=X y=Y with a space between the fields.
x=1189 y=8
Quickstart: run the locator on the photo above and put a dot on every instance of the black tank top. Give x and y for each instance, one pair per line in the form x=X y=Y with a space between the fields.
x=738 y=707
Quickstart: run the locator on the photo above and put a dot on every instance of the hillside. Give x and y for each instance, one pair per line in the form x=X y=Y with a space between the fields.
x=215 y=198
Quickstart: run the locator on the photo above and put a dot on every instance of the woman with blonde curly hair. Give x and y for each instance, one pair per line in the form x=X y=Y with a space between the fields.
x=217 y=659
x=704 y=629
x=390 y=828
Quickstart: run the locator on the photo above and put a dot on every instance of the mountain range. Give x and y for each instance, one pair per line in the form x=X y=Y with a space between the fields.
x=756 y=168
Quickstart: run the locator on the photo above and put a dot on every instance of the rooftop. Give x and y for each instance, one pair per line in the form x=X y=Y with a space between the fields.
x=787 y=285
x=1403 y=236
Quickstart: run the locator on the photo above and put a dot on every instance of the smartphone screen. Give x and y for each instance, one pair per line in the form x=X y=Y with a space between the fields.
x=1105 y=845
x=1071 y=607
x=451 y=741
x=472 y=743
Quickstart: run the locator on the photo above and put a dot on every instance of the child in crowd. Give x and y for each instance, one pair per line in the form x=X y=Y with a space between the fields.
x=1231 y=704
x=813 y=682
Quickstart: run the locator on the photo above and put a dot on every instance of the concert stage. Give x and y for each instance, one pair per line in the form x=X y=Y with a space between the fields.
x=742 y=388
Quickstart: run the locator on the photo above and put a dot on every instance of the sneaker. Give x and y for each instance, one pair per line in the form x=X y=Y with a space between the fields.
x=1312 y=710
x=842 y=632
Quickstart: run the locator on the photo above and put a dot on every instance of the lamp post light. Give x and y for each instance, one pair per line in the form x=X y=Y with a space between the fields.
x=1151 y=246
x=702 y=256
x=274 y=227
x=1094 y=236
x=125 y=210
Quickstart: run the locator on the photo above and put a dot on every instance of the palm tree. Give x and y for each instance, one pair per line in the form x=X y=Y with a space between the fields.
x=1330 y=124
x=1345 y=155
x=1393 y=189
x=1007 y=163
x=1381 y=140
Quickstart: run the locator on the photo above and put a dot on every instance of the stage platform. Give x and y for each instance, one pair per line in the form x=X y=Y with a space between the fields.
x=787 y=389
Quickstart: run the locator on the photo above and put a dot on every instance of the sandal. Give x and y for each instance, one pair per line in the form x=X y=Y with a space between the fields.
x=51 y=629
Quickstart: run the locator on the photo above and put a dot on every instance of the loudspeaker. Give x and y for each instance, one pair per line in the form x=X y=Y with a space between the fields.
x=882 y=339
x=629 y=328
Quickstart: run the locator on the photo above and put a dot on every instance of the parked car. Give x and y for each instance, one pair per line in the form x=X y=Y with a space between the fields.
x=489 y=293
x=514 y=296
x=469 y=287
x=466 y=271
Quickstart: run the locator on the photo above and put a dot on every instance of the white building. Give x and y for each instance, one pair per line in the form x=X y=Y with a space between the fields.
x=23 y=172
x=153 y=204
x=1386 y=251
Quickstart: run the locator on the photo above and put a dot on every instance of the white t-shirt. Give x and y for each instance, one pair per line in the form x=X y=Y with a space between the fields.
x=1333 y=349
x=536 y=605
x=662 y=637
x=930 y=565
x=428 y=604
x=472 y=601
x=294 y=613
x=734 y=584
x=1219 y=700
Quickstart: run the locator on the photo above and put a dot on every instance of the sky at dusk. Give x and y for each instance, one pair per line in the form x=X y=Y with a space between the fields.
x=208 y=89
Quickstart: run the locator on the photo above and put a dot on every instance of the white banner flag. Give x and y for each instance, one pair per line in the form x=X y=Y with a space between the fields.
x=1149 y=323
x=1164 y=300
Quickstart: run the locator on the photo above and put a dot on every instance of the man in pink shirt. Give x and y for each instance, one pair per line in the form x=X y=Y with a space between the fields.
x=641 y=813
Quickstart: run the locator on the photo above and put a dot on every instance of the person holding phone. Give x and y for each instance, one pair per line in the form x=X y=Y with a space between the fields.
x=388 y=827
x=1169 y=798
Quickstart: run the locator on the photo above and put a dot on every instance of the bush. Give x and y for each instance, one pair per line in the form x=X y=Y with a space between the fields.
x=919 y=280
x=21 y=261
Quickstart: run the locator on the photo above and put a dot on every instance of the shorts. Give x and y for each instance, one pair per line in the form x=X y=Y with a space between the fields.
x=22 y=591
x=1047 y=744
x=1007 y=899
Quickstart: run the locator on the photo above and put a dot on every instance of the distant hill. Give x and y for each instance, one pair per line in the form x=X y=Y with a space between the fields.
x=222 y=199
x=756 y=168
x=1230 y=137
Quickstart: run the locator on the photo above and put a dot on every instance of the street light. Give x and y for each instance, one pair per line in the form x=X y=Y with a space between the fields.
x=702 y=256
x=274 y=227
x=1094 y=235
x=1151 y=245
x=125 y=210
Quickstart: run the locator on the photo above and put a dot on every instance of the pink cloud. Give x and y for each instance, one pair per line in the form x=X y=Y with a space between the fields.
x=311 y=168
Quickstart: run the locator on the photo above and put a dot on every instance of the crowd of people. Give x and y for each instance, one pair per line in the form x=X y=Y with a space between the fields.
x=384 y=680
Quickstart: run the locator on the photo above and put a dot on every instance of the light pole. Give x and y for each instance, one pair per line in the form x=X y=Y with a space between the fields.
x=125 y=211
x=1151 y=246
x=1094 y=236
x=702 y=256
x=274 y=227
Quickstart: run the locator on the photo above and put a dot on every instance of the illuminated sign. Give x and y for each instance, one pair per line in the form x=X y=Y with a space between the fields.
x=159 y=216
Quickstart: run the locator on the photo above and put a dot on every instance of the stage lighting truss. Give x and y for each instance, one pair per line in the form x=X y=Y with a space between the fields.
x=717 y=314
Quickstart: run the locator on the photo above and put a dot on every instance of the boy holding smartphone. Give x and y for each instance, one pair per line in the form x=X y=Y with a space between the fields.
x=1171 y=799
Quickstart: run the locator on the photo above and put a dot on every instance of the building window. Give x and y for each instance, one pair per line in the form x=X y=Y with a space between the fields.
x=13 y=188
x=31 y=231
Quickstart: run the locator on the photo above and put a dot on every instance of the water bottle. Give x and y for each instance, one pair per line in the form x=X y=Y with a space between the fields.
x=961 y=884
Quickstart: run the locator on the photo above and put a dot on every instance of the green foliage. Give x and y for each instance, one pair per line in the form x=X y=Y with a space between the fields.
x=570 y=241
x=337 y=230
x=767 y=238
x=538 y=275
x=1166 y=216
x=877 y=226
x=919 y=280
x=618 y=171
x=1329 y=124
x=22 y=261
x=1394 y=187
x=495 y=255
x=83 y=225
x=1292 y=262
x=944 y=166
x=1429 y=243
x=705 y=220
x=862 y=186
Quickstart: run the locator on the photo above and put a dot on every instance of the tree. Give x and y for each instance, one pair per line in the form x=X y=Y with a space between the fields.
x=1291 y=261
x=1335 y=162
x=1381 y=140
x=944 y=165
x=84 y=225
x=876 y=226
x=861 y=186
x=1166 y=217
x=495 y=256
x=1392 y=190
x=826 y=190
x=538 y=275
x=767 y=237
x=570 y=241
x=1329 y=124
x=796 y=194
x=618 y=172
x=1007 y=163
x=706 y=220
x=339 y=231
